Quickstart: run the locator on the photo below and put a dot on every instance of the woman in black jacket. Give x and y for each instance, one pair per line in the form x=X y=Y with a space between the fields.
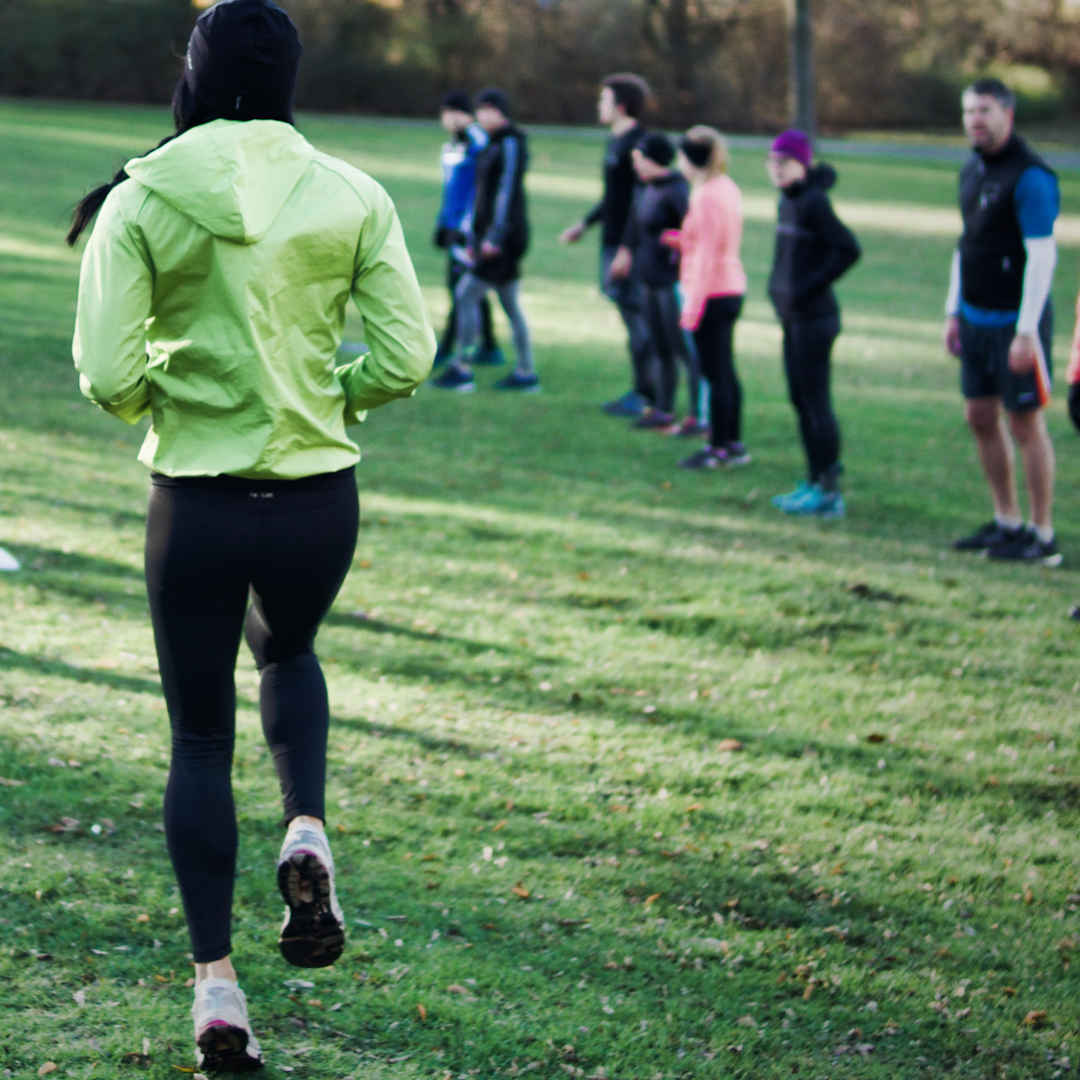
x=660 y=203
x=813 y=249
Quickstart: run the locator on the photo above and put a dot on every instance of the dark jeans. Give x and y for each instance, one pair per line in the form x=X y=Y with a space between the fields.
x=628 y=295
x=713 y=340
x=807 y=353
x=211 y=542
x=455 y=271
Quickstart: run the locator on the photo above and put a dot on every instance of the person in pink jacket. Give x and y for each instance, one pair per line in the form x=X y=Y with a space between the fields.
x=713 y=284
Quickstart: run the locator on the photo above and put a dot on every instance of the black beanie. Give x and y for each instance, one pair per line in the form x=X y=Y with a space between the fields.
x=657 y=147
x=241 y=62
x=697 y=153
x=496 y=98
x=459 y=100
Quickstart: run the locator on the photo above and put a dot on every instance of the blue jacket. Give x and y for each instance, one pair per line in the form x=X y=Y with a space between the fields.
x=459 y=156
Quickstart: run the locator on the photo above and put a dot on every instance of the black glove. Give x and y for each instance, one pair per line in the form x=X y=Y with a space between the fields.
x=443 y=236
x=1074 y=405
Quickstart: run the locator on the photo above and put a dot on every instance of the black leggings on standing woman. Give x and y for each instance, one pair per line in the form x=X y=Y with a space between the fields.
x=713 y=340
x=807 y=350
x=211 y=544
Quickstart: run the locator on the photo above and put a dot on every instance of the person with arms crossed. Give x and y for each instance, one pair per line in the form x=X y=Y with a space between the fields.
x=497 y=242
x=813 y=249
x=458 y=162
x=999 y=321
x=212 y=298
x=622 y=101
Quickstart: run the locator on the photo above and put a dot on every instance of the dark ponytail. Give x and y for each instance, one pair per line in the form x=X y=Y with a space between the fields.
x=92 y=202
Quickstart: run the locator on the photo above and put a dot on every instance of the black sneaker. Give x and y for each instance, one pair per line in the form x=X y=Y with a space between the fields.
x=455 y=378
x=630 y=404
x=987 y=536
x=708 y=457
x=1027 y=547
x=516 y=380
x=653 y=419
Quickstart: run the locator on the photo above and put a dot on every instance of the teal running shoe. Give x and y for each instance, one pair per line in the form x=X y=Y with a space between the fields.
x=815 y=502
x=790 y=499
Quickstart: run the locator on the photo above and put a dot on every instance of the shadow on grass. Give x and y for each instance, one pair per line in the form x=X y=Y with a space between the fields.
x=11 y=660
x=470 y=647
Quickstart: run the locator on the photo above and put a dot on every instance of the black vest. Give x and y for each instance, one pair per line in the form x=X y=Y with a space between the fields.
x=992 y=255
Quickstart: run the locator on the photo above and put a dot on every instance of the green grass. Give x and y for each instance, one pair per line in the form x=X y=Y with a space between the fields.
x=548 y=637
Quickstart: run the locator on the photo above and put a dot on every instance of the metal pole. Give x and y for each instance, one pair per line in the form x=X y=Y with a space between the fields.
x=802 y=67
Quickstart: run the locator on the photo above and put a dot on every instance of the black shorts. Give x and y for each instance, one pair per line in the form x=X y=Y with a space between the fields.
x=984 y=365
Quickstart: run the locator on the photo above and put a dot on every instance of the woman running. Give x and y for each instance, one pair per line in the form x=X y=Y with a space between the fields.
x=212 y=299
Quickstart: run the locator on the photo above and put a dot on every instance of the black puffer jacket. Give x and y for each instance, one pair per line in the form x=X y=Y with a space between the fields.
x=658 y=205
x=500 y=214
x=813 y=248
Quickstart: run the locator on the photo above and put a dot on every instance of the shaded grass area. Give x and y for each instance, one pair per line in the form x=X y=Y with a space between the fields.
x=630 y=777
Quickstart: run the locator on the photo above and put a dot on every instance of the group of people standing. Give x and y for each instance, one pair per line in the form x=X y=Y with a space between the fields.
x=672 y=224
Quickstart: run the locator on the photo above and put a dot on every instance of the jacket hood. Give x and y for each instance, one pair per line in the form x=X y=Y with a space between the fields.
x=821 y=175
x=230 y=177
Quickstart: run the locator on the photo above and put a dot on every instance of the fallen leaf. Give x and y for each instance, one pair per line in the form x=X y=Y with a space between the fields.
x=65 y=825
x=422 y=1012
x=1037 y=1018
x=726 y=746
x=694 y=807
x=5 y=782
x=652 y=898
x=456 y=988
x=520 y=891
x=142 y=917
x=48 y=1067
x=875 y=737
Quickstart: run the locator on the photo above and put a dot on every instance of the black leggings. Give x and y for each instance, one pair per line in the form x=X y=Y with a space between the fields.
x=669 y=344
x=807 y=349
x=210 y=542
x=713 y=339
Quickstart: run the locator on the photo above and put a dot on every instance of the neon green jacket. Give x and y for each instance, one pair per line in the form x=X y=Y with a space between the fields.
x=213 y=294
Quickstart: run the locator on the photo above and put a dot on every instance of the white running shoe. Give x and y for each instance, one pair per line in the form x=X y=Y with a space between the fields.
x=7 y=560
x=313 y=934
x=224 y=1041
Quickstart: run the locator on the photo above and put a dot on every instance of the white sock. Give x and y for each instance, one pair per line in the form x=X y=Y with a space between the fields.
x=1045 y=533
x=1011 y=523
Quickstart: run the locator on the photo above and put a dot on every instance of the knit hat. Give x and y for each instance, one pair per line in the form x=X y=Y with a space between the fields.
x=496 y=98
x=793 y=144
x=657 y=147
x=457 y=100
x=695 y=151
x=241 y=62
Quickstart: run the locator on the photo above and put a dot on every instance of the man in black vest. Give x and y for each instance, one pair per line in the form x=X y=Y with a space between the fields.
x=999 y=320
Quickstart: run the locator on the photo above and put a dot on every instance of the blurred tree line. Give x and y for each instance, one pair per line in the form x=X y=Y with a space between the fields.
x=878 y=63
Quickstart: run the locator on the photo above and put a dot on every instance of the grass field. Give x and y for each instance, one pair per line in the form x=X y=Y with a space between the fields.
x=631 y=777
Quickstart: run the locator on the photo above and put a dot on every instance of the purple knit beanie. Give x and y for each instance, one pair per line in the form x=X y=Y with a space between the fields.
x=793 y=144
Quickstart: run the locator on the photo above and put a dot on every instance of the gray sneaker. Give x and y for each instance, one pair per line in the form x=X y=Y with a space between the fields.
x=224 y=1041
x=313 y=934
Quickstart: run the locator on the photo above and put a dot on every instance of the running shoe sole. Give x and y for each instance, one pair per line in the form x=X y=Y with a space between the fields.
x=224 y=1048
x=311 y=936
